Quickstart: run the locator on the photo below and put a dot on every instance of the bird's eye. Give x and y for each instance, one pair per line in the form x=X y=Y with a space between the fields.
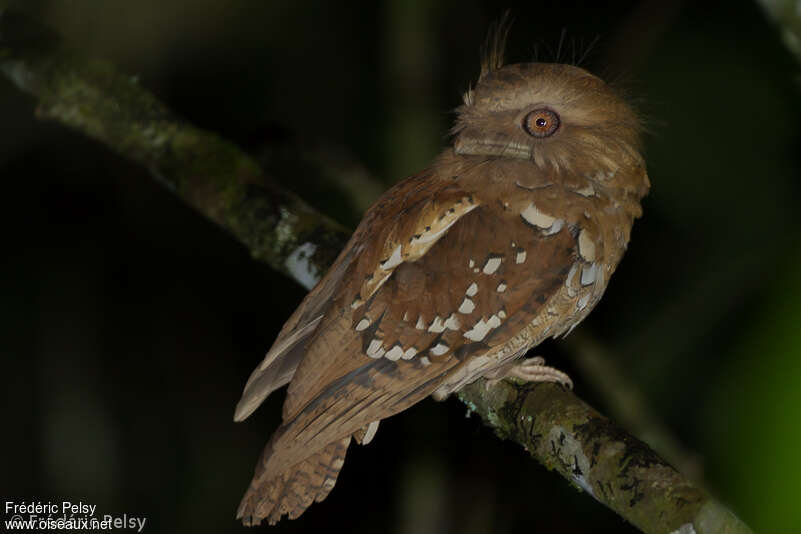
x=541 y=122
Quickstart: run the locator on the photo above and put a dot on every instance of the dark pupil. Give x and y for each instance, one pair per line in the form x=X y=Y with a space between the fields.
x=541 y=123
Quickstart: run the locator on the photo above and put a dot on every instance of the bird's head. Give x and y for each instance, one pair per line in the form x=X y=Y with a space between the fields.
x=560 y=117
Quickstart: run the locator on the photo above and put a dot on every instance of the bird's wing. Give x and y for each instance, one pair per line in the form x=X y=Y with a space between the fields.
x=454 y=277
x=399 y=203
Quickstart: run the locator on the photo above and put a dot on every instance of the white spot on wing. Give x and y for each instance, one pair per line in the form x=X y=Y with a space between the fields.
x=425 y=361
x=439 y=349
x=586 y=191
x=520 y=257
x=537 y=218
x=369 y=434
x=375 y=349
x=437 y=325
x=555 y=227
x=410 y=353
x=472 y=289
x=467 y=306
x=394 y=260
x=452 y=323
x=501 y=287
x=586 y=246
x=479 y=331
x=471 y=264
x=492 y=265
x=420 y=324
x=494 y=321
x=588 y=274
x=571 y=291
x=394 y=353
x=364 y=323
x=502 y=314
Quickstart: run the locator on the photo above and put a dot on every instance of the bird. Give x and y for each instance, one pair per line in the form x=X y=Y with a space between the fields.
x=508 y=238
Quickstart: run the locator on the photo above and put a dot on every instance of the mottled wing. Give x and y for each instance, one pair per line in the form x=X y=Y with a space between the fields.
x=410 y=201
x=488 y=275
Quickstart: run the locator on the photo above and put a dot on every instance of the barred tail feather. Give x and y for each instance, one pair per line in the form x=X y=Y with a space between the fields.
x=293 y=490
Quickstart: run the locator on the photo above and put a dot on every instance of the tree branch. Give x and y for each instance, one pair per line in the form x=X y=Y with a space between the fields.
x=626 y=401
x=563 y=433
x=226 y=185
x=209 y=173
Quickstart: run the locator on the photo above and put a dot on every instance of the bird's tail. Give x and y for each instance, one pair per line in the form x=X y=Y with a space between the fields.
x=290 y=492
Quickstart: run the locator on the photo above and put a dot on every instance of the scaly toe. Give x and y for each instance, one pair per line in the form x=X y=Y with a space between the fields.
x=535 y=370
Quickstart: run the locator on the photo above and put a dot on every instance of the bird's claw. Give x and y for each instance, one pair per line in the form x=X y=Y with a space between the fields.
x=532 y=370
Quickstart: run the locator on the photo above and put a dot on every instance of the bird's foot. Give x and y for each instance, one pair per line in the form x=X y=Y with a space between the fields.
x=530 y=370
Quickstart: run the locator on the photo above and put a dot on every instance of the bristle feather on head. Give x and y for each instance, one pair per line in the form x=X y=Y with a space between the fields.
x=492 y=53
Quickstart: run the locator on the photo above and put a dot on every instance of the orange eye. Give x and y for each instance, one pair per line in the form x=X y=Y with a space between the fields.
x=541 y=122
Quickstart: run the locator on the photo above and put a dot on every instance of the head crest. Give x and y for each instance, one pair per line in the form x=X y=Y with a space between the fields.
x=494 y=47
x=492 y=51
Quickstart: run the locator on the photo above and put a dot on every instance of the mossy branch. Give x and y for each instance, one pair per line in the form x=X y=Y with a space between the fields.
x=226 y=185
x=209 y=173
x=563 y=433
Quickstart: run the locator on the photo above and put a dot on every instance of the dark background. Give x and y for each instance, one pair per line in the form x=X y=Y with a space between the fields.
x=129 y=323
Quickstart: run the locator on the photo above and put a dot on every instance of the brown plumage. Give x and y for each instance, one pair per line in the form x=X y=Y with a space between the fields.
x=508 y=238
